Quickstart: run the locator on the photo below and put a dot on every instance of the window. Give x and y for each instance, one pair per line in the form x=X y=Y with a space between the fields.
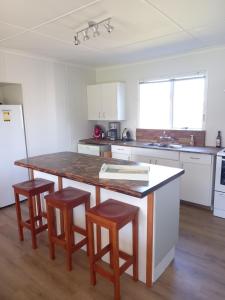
x=176 y=103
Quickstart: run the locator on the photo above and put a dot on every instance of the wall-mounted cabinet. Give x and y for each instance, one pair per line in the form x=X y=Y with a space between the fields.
x=106 y=101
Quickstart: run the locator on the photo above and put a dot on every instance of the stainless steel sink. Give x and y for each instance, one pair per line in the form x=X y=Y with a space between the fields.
x=164 y=145
x=176 y=146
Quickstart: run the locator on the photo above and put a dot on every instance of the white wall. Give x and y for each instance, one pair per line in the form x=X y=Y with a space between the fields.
x=212 y=61
x=54 y=100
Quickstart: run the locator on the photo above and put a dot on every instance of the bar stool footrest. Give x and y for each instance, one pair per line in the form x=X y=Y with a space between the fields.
x=99 y=269
x=59 y=239
x=79 y=244
x=102 y=252
x=79 y=230
x=38 y=229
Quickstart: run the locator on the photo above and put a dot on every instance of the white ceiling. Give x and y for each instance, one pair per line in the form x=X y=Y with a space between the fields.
x=143 y=29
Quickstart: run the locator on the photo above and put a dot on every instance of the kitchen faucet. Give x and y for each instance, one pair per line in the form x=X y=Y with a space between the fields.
x=166 y=137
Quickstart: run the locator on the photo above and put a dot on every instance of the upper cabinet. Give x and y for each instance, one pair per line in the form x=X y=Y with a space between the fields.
x=106 y=101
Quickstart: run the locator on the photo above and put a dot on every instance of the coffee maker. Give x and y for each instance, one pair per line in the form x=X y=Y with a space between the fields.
x=114 y=131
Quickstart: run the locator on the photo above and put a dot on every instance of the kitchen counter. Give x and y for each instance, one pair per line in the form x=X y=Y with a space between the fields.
x=158 y=201
x=85 y=168
x=189 y=149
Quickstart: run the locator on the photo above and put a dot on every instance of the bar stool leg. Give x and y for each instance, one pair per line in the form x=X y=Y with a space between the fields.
x=39 y=209
x=51 y=230
x=69 y=236
x=19 y=217
x=116 y=269
x=32 y=222
x=135 y=247
x=87 y=206
x=111 y=252
x=91 y=251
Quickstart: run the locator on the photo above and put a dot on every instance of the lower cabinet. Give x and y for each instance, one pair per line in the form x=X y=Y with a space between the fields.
x=197 y=181
x=121 y=152
x=167 y=162
x=142 y=158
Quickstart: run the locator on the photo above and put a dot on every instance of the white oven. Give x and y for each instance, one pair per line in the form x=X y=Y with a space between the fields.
x=219 y=196
x=220 y=172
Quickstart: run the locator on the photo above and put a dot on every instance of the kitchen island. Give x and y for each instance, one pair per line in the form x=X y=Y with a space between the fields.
x=158 y=200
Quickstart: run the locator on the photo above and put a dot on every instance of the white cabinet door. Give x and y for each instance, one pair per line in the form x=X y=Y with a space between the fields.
x=123 y=156
x=143 y=158
x=167 y=162
x=120 y=152
x=109 y=101
x=94 y=96
x=89 y=149
x=196 y=183
x=106 y=101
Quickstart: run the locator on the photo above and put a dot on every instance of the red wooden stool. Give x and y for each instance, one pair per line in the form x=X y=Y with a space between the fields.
x=66 y=200
x=113 y=215
x=32 y=190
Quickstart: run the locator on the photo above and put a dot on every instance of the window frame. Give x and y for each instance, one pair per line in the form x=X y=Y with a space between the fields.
x=172 y=80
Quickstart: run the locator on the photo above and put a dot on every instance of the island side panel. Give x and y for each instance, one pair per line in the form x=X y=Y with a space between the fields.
x=166 y=226
x=150 y=232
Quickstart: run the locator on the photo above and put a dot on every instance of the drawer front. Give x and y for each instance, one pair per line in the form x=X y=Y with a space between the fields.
x=89 y=149
x=219 y=200
x=120 y=149
x=196 y=158
x=123 y=156
x=174 y=155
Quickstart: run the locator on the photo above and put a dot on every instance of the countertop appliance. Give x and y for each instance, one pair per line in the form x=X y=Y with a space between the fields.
x=97 y=132
x=219 y=196
x=114 y=131
x=13 y=147
x=126 y=136
x=112 y=134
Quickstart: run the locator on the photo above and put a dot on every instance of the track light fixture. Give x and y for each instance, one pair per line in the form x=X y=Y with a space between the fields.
x=94 y=28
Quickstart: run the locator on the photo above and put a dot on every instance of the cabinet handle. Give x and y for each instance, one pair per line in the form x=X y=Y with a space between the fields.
x=103 y=115
x=99 y=114
x=194 y=157
x=150 y=161
x=156 y=161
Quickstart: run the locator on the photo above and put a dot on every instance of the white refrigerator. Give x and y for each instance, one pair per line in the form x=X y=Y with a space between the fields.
x=12 y=147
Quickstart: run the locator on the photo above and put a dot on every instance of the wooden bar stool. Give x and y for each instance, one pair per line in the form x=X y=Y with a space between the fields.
x=113 y=215
x=32 y=189
x=66 y=200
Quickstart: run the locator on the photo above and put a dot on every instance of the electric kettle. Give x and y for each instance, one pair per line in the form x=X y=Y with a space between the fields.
x=126 y=136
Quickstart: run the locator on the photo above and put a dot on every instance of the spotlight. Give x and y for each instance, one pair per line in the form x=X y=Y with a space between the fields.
x=76 y=40
x=86 y=37
x=94 y=27
x=108 y=26
x=95 y=30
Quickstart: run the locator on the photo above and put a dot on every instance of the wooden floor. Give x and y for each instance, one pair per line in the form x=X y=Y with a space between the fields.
x=198 y=271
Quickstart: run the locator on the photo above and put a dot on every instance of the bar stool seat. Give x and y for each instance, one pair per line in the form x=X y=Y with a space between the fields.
x=114 y=211
x=66 y=200
x=113 y=215
x=32 y=189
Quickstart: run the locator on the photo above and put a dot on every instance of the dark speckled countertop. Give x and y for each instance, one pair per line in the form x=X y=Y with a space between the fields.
x=189 y=149
x=85 y=168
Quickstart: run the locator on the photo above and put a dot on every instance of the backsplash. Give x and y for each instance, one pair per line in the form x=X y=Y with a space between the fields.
x=179 y=136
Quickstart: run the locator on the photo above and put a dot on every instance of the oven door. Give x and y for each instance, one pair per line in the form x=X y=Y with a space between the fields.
x=220 y=174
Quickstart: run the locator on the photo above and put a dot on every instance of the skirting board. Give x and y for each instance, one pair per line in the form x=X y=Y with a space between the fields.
x=160 y=268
